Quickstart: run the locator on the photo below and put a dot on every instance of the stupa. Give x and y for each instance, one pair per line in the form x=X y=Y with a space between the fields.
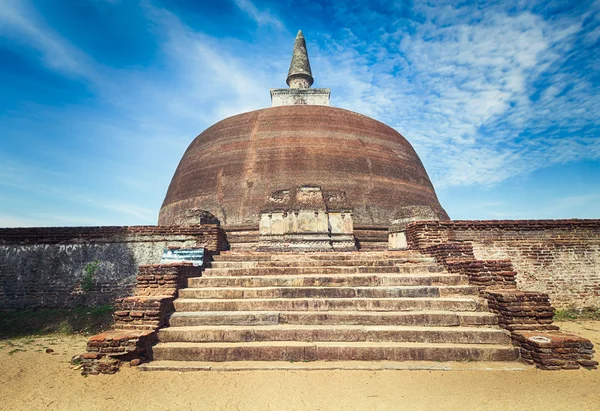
x=232 y=169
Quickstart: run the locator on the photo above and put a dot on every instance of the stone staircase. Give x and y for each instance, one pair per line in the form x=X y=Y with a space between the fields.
x=243 y=239
x=359 y=306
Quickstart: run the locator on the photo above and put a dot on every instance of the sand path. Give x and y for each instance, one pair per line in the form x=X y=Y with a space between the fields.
x=35 y=380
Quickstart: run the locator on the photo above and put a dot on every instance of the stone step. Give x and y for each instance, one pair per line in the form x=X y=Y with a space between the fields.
x=260 y=271
x=406 y=318
x=245 y=238
x=243 y=247
x=332 y=351
x=332 y=304
x=261 y=256
x=335 y=333
x=365 y=245
x=373 y=239
x=236 y=366
x=354 y=280
x=326 y=292
x=243 y=233
x=388 y=262
x=238 y=256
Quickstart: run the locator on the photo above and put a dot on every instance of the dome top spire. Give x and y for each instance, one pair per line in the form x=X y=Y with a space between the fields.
x=300 y=75
x=299 y=80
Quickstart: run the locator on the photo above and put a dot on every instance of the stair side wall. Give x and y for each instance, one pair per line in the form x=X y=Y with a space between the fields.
x=558 y=257
x=528 y=315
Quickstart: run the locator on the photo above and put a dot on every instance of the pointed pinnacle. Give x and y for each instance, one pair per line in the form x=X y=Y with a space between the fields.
x=300 y=75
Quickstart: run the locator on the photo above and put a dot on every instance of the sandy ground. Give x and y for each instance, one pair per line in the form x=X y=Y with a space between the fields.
x=31 y=379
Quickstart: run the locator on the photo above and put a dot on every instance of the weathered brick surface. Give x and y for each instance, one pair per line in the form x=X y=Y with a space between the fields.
x=521 y=310
x=312 y=144
x=488 y=274
x=558 y=257
x=142 y=312
x=44 y=267
x=423 y=234
x=208 y=235
x=450 y=251
x=106 y=351
x=157 y=287
x=94 y=363
x=528 y=315
x=137 y=319
x=164 y=279
x=121 y=342
x=555 y=350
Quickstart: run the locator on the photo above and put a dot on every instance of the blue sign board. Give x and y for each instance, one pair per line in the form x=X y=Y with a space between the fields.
x=180 y=255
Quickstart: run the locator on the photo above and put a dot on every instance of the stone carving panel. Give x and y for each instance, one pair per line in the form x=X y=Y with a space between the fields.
x=300 y=219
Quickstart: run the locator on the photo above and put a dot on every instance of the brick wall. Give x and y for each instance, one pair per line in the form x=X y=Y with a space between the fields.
x=558 y=257
x=164 y=279
x=209 y=235
x=485 y=273
x=137 y=319
x=45 y=267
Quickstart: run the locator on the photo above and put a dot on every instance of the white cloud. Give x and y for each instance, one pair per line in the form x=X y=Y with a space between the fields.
x=461 y=85
x=160 y=112
x=262 y=18
x=142 y=214
x=209 y=78
x=20 y=20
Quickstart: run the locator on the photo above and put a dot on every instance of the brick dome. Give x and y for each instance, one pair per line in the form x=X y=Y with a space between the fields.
x=232 y=167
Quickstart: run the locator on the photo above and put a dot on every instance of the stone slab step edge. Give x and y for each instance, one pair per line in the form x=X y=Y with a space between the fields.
x=326 y=292
x=333 y=280
x=336 y=304
x=195 y=366
x=327 y=351
x=426 y=318
x=319 y=263
x=339 y=333
x=254 y=256
x=260 y=271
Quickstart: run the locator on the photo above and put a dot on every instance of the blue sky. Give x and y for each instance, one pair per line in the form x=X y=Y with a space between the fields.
x=100 y=98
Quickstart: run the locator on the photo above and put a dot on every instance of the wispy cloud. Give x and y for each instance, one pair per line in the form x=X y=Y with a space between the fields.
x=20 y=20
x=143 y=214
x=203 y=80
x=261 y=17
x=206 y=70
x=484 y=95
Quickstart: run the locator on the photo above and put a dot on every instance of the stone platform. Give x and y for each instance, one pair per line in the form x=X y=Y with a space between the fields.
x=357 y=306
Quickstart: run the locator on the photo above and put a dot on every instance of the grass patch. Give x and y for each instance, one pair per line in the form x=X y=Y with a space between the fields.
x=51 y=321
x=572 y=314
